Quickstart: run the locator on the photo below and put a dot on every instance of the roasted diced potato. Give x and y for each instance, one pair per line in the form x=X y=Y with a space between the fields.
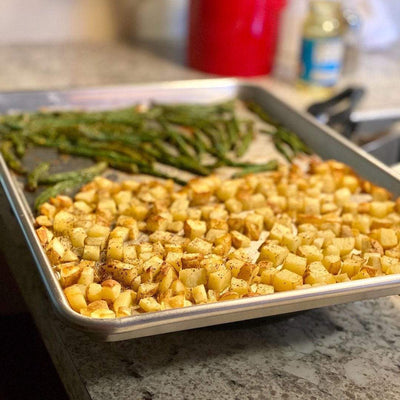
x=318 y=274
x=194 y=229
x=219 y=280
x=199 y=246
x=295 y=264
x=239 y=240
x=274 y=253
x=253 y=225
x=192 y=277
x=124 y=299
x=94 y=292
x=310 y=252
x=91 y=253
x=63 y=222
x=285 y=280
x=111 y=289
x=239 y=286
x=149 y=304
x=75 y=297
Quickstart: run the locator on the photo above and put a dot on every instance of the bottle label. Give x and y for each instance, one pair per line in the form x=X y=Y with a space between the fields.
x=321 y=60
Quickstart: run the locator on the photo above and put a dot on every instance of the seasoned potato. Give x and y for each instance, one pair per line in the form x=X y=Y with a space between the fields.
x=125 y=248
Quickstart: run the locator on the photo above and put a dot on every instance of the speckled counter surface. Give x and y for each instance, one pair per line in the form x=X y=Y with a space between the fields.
x=347 y=351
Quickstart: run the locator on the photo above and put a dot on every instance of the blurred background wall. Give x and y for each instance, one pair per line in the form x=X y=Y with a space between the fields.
x=55 y=21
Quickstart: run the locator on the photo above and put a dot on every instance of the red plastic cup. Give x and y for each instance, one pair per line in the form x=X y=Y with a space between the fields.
x=233 y=37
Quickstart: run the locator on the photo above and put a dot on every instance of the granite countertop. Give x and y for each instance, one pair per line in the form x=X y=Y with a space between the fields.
x=349 y=351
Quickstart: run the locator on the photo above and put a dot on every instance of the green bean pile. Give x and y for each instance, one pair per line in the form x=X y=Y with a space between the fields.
x=194 y=138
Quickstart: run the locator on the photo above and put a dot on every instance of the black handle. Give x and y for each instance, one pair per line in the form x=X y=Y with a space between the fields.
x=336 y=111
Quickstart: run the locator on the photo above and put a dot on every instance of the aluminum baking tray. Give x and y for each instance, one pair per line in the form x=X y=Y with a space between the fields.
x=324 y=141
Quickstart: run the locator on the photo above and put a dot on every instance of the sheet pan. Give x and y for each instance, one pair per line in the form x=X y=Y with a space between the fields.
x=324 y=141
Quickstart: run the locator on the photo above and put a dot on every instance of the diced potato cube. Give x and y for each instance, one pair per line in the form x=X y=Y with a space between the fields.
x=94 y=306
x=234 y=266
x=307 y=238
x=263 y=289
x=342 y=278
x=388 y=262
x=168 y=277
x=228 y=189
x=98 y=231
x=69 y=275
x=175 y=226
x=147 y=289
x=317 y=274
x=239 y=240
x=292 y=242
x=87 y=276
x=179 y=209
x=393 y=269
x=130 y=254
x=220 y=224
x=310 y=252
x=345 y=244
x=44 y=235
x=177 y=301
x=248 y=272
x=107 y=205
x=111 y=289
x=219 y=280
x=115 y=249
x=239 y=286
x=212 y=263
x=253 y=225
x=380 y=209
x=236 y=222
x=63 y=222
x=223 y=245
x=285 y=280
x=175 y=260
x=363 y=274
x=342 y=196
x=231 y=295
x=94 y=292
x=149 y=304
x=157 y=223
x=77 y=236
x=387 y=238
x=192 y=277
x=120 y=232
x=88 y=196
x=178 y=287
x=122 y=272
x=91 y=253
x=274 y=253
x=123 y=312
x=295 y=264
x=278 y=231
x=350 y=267
x=362 y=222
x=213 y=234
x=312 y=206
x=153 y=266
x=194 y=229
x=332 y=263
x=199 y=246
x=55 y=250
x=75 y=297
x=199 y=294
x=124 y=299
x=233 y=205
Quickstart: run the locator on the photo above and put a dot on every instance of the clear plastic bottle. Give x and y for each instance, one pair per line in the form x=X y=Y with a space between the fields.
x=322 y=49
